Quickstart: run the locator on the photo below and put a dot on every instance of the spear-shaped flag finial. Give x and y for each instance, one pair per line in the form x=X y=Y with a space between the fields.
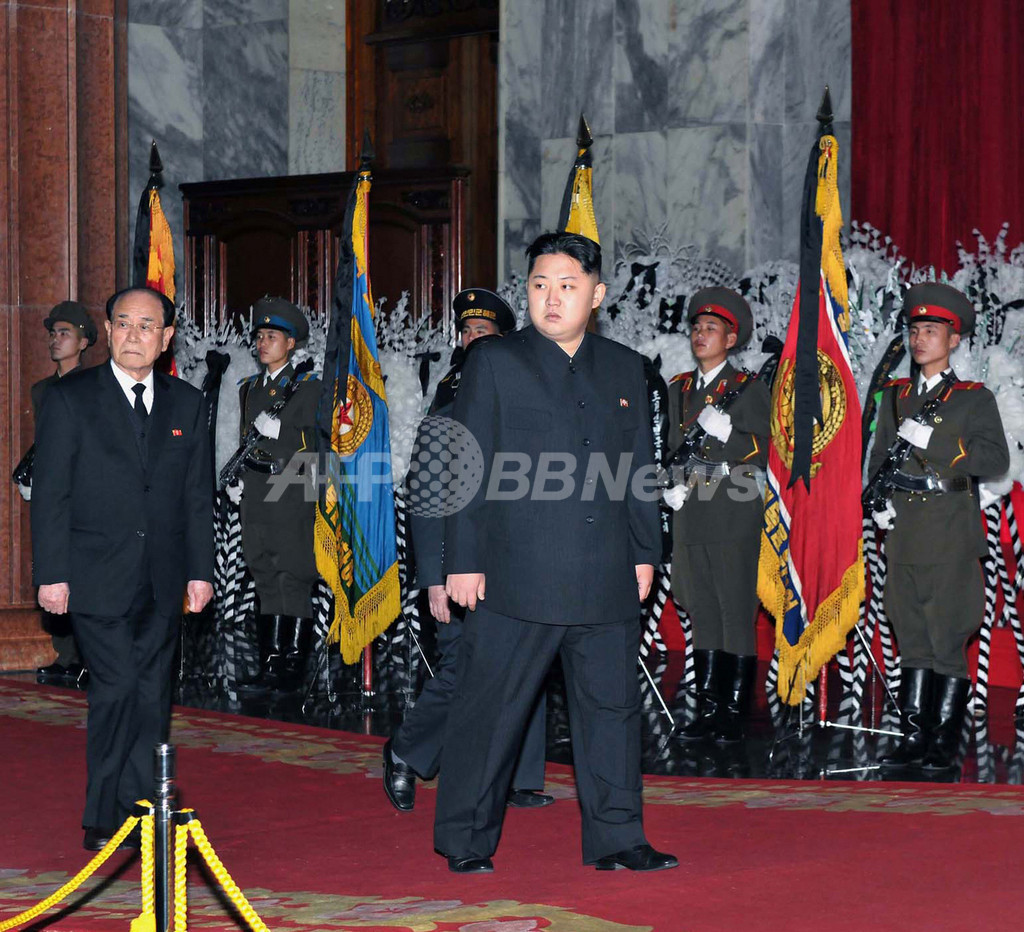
x=825 y=110
x=368 y=153
x=156 y=167
x=584 y=138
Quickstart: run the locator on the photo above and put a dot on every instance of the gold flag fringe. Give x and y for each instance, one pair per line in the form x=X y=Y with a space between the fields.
x=826 y=634
x=826 y=206
x=160 y=268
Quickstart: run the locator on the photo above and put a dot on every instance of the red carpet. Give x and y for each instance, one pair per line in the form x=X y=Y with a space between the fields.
x=300 y=820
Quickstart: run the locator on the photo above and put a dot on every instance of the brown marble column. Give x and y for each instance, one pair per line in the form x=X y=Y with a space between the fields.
x=63 y=233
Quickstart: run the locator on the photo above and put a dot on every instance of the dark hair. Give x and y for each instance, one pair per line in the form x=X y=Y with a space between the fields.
x=585 y=251
x=166 y=303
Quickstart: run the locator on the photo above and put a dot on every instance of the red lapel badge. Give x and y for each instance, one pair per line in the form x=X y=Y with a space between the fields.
x=623 y=403
x=175 y=432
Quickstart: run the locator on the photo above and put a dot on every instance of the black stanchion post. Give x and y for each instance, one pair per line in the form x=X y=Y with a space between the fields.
x=163 y=814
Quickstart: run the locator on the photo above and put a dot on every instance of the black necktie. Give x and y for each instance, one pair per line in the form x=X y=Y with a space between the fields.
x=140 y=408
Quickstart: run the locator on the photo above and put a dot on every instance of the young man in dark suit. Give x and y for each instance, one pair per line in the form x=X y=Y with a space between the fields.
x=415 y=747
x=553 y=555
x=934 y=591
x=716 y=530
x=122 y=530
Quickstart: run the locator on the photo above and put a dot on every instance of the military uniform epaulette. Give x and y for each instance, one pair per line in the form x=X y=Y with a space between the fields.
x=681 y=375
x=249 y=379
x=742 y=376
x=967 y=386
x=896 y=383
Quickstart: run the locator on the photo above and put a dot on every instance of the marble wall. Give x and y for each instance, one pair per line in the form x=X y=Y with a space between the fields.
x=234 y=89
x=703 y=113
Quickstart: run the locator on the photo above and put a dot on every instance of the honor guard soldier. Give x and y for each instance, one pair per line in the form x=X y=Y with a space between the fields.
x=717 y=525
x=934 y=592
x=277 y=529
x=70 y=332
x=415 y=748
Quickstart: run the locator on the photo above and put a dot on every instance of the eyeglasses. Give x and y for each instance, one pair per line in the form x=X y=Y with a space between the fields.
x=143 y=326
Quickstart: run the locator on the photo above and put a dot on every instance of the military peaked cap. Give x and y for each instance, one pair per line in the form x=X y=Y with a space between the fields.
x=726 y=304
x=939 y=302
x=279 y=314
x=479 y=302
x=71 y=312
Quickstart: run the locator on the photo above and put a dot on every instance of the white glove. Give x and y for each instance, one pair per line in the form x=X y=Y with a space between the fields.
x=916 y=433
x=25 y=491
x=235 y=491
x=717 y=423
x=267 y=425
x=676 y=496
x=884 y=518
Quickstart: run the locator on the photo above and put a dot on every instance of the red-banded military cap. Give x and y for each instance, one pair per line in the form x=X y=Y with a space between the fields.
x=726 y=304
x=936 y=301
x=485 y=304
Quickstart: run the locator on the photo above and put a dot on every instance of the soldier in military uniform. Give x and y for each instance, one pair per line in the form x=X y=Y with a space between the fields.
x=934 y=591
x=415 y=748
x=70 y=331
x=277 y=535
x=717 y=525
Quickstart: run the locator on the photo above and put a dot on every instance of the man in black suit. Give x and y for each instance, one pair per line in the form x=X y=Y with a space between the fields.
x=69 y=332
x=122 y=528
x=553 y=555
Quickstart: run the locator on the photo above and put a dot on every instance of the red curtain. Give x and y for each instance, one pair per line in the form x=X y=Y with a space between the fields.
x=938 y=110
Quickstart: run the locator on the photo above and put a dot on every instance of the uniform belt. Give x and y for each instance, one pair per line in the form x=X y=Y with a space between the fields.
x=707 y=469
x=905 y=482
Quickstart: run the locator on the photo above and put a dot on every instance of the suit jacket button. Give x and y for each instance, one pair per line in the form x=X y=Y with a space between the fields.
x=590 y=519
x=140 y=533
x=581 y=404
x=145 y=488
x=586 y=442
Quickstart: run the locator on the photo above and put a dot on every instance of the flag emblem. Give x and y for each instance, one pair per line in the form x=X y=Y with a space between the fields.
x=176 y=432
x=623 y=403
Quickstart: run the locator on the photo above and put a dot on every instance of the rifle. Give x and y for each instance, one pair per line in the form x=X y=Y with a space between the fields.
x=249 y=455
x=692 y=440
x=879 y=490
x=22 y=474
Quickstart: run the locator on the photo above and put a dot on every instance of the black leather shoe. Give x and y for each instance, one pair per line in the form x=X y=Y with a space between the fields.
x=52 y=671
x=528 y=799
x=399 y=782
x=640 y=858
x=471 y=865
x=96 y=838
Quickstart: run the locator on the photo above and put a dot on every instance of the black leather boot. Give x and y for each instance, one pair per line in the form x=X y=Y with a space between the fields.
x=269 y=635
x=915 y=714
x=732 y=712
x=708 y=665
x=949 y=703
x=295 y=650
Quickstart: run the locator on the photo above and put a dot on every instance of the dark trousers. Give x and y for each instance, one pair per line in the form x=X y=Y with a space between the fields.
x=420 y=738
x=718 y=584
x=129 y=659
x=502 y=666
x=283 y=566
x=934 y=609
x=63 y=639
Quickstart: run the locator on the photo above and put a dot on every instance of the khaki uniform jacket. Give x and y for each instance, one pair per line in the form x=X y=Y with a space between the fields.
x=968 y=440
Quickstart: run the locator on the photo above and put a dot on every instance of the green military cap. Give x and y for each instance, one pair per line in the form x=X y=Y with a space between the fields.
x=479 y=302
x=71 y=312
x=935 y=301
x=726 y=304
x=279 y=314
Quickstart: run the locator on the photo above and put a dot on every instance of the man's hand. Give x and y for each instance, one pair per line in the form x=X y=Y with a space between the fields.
x=235 y=490
x=438 y=599
x=884 y=518
x=199 y=594
x=25 y=491
x=675 y=497
x=644 y=579
x=715 y=422
x=465 y=589
x=916 y=433
x=267 y=425
x=53 y=597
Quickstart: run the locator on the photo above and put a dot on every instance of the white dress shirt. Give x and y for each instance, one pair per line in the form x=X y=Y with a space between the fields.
x=127 y=384
x=926 y=385
x=706 y=379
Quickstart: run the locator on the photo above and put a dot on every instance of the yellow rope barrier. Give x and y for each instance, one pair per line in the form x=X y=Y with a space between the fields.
x=180 y=867
x=146 y=920
x=75 y=882
x=224 y=878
